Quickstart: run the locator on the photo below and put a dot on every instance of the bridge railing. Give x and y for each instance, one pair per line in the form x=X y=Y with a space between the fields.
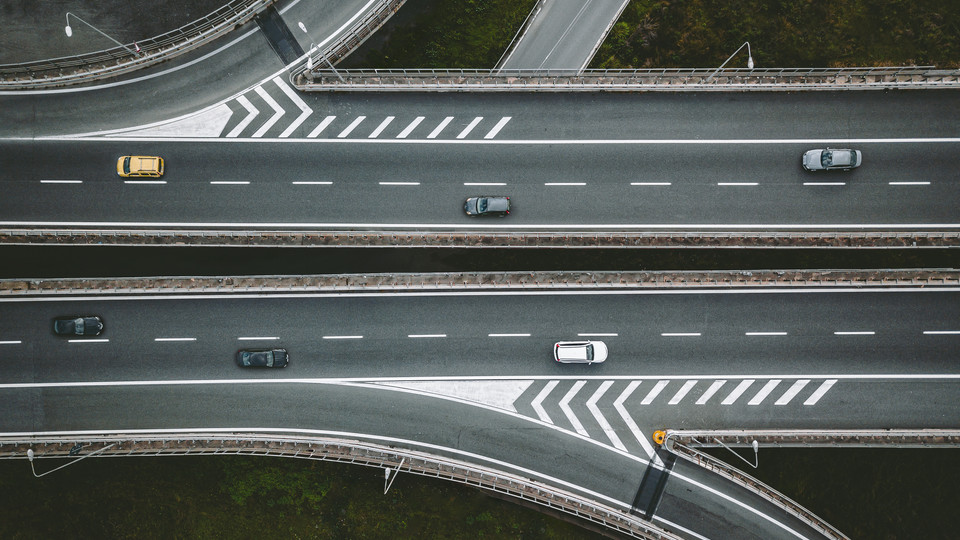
x=339 y=450
x=671 y=79
x=131 y=56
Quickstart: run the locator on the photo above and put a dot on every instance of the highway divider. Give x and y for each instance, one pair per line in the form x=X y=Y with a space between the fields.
x=389 y=458
x=488 y=281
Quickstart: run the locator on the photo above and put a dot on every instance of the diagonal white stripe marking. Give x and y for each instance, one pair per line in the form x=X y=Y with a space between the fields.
x=711 y=391
x=654 y=392
x=682 y=393
x=322 y=126
x=252 y=113
x=815 y=397
x=277 y=112
x=305 y=111
x=565 y=407
x=406 y=131
x=354 y=124
x=737 y=392
x=537 y=401
x=764 y=392
x=595 y=411
x=792 y=392
x=496 y=129
x=473 y=123
x=632 y=426
x=383 y=125
x=436 y=131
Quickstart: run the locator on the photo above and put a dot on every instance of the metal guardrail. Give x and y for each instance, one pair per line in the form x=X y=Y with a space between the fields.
x=118 y=60
x=353 y=38
x=670 y=79
x=476 y=239
x=752 y=484
x=797 y=438
x=342 y=451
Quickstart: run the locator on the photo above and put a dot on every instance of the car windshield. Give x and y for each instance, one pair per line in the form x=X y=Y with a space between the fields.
x=589 y=349
x=126 y=164
x=826 y=158
x=79 y=325
x=482 y=205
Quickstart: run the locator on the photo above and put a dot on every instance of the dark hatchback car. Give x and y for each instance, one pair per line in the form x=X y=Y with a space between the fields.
x=262 y=358
x=487 y=206
x=78 y=326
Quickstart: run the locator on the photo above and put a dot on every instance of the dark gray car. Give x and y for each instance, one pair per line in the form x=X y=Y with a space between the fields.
x=487 y=206
x=78 y=326
x=262 y=358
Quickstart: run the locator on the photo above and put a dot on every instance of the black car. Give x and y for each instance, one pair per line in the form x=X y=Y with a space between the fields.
x=78 y=326
x=487 y=206
x=262 y=358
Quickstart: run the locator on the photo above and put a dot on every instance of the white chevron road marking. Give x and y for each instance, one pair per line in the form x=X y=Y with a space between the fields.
x=632 y=426
x=595 y=411
x=711 y=391
x=764 y=392
x=682 y=393
x=792 y=392
x=537 y=401
x=565 y=407
x=737 y=392
x=252 y=113
x=815 y=397
x=277 y=112
x=322 y=126
x=498 y=394
x=652 y=395
x=305 y=111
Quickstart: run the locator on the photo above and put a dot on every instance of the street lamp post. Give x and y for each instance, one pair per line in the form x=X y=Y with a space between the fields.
x=749 y=59
x=30 y=458
x=69 y=32
x=323 y=56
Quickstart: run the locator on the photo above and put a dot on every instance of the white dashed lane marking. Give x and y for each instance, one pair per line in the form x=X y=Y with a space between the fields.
x=175 y=339
x=154 y=182
x=342 y=337
x=257 y=338
x=864 y=333
x=680 y=334
x=61 y=181
x=11 y=342
x=909 y=183
x=765 y=333
x=88 y=340
x=651 y=183
x=426 y=335
x=311 y=183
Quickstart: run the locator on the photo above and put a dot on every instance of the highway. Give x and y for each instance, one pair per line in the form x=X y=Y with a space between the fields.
x=470 y=375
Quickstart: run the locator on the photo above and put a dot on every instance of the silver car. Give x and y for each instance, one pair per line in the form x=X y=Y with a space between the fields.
x=830 y=159
x=580 y=352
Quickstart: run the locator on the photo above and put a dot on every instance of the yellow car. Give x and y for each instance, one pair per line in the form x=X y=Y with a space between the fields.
x=140 y=166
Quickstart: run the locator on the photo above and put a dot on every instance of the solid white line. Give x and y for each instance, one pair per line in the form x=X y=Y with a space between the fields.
x=101 y=340
x=321 y=126
x=815 y=397
x=737 y=183
x=61 y=181
x=144 y=181
x=484 y=183
x=711 y=391
x=175 y=339
x=598 y=335
x=651 y=183
x=536 y=403
x=436 y=131
x=305 y=111
x=765 y=333
x=764 y=392
x=356 y=122
x=737 y=392
x=866 y=333
x=568 y=412
x=564 y=183
x=672 y=525
x=496 y=129
x=383 y=125
x=342 y=337
x=653 y=393
x=909 y=183
x=682 y=393
x=11 y=342
x=277 y=112
x=256 y=338
x=399 y=183
x=632 y=426
x=508 y=335
x=824 y=183
x=410 y=127
x=466 y=131
x=940 y=332
x=595 y=411
x=680 y=334
x=229 y=182
x=792 y=392
x=310 y=183
x=252 y=113
x=425 y=335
